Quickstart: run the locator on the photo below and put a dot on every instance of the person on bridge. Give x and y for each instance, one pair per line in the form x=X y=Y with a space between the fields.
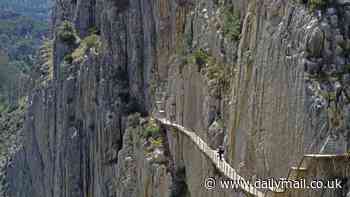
x=221 y=152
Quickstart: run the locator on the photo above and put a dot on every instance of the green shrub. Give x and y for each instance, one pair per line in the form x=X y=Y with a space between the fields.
x=318 y=4
x=68 y=58
x=157 y=142
x=216 y=71
x=221 y=73
x=67 y=33
x=79 y=53
x=232 y=25
x=93 y=30
x=151 y=129
x=3 y=107
x=201 y=57
x=93 y=41
x=89 y=42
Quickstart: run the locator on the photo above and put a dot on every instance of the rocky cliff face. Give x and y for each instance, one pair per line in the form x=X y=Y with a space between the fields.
x=290 y=91
x=266 y=79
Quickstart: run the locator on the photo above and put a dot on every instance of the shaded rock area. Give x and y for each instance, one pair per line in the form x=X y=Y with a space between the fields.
x=144 y=167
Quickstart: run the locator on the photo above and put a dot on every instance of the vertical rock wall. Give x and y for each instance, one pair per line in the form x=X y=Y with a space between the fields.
x=285 y=102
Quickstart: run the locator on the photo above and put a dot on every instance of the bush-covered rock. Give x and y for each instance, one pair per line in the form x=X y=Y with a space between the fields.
x=232 y=25
x=90 y=42
x=151 y=129
x=201 y=57
x=318 y=4
x=67 y=33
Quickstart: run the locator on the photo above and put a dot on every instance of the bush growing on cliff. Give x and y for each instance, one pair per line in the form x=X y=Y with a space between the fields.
x=94 y=30
x=157 y=142
x=221 y=74
x=67 y=33
x=93 y=41
x=318 y=4
x=151 y=129
x=90 y=42
x=68 y=58
x=232 y=25
x=3 y=106
x=201 y=57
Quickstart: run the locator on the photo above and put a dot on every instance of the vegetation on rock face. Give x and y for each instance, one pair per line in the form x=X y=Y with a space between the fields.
x=232 y=25
x=93 y=41
x=218 y=73
x=318 y=4
x=42 y=71
x=46 y=55
x=90 y=42
x=94 y=30
x=201 y=57
x=153 y=142
x=151 y=129
x=67 y=33
x=221 y=75
x=157 y=142
x=68 y=58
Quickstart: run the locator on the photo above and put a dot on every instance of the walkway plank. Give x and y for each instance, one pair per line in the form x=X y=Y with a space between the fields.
x=223 y=166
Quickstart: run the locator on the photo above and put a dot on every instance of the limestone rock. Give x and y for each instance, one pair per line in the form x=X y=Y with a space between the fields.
x=216 y=134
x=315 y=43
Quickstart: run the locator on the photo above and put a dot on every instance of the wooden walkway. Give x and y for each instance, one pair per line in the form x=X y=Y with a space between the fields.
x=223 y=166
x=232 y=174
